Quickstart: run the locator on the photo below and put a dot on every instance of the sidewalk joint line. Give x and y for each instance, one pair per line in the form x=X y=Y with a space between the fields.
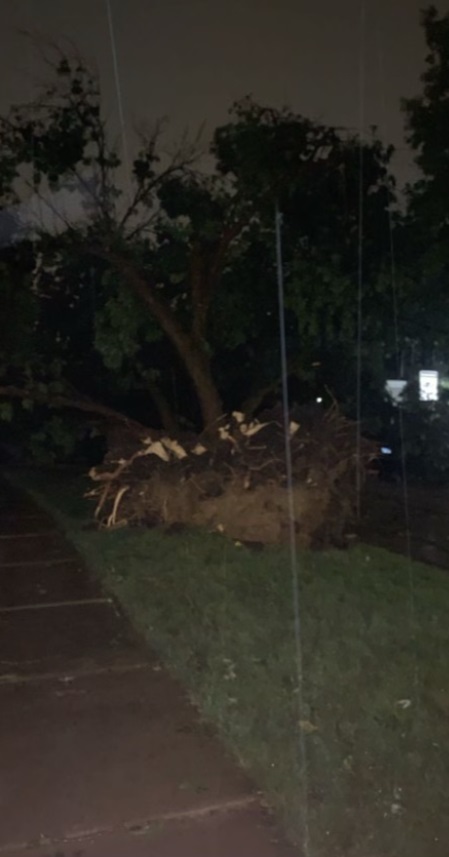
x=77 y=602
x=134 y=828
x=70 y=676
x=32 y=563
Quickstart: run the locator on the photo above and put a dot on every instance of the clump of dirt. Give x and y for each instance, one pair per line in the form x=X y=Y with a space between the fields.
x=235 y=479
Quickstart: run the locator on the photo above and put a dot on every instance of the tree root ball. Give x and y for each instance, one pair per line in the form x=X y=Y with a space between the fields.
x=234 y=479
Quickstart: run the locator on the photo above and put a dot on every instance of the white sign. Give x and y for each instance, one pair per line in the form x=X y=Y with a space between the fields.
x=395 y=389
x=428 y=386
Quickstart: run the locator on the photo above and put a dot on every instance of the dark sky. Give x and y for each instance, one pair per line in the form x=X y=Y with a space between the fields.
x=189 y=59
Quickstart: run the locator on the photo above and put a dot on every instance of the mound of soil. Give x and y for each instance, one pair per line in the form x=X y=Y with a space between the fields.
x=236 y=479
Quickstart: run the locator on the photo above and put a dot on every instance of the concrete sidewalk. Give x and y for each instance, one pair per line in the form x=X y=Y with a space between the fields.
x=100 y=750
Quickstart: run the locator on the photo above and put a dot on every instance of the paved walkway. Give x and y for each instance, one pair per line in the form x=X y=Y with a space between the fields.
x=101 y=754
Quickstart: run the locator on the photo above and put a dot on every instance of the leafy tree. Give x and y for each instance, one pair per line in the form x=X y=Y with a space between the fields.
x=427 y=123
x=313 y=175
x=424 y=239
x=421 y=242
x=182 y=265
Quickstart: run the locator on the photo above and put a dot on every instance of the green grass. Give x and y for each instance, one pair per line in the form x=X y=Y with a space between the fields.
x=374 y=633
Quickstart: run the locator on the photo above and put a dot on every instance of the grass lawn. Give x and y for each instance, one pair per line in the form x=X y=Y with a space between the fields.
x=374 y=720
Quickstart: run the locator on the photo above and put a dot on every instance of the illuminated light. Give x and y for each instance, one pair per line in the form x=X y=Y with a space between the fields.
x=385 y=450
x=319 y=400
x=428 y=385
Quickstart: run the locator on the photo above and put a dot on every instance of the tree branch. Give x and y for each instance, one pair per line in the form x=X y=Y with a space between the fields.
x=146 y=291
x=191 y=351
x=167 y=417
x=205 y=275
x=144 y=192
x=81 y=404
x=255 y=399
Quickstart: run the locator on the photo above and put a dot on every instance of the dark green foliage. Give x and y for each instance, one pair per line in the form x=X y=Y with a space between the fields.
x=173 y=283
x=427 y=119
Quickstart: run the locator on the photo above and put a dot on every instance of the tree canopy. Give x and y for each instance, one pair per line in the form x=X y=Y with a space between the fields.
x=166 y=286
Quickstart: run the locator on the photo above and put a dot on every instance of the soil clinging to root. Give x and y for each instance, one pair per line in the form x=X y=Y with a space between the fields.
x=234 y=478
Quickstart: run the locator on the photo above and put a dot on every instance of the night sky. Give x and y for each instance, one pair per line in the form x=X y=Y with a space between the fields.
x=189 y=59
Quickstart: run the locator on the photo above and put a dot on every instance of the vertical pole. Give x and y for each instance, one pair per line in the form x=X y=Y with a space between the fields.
x=360 y=260
x=302 y=755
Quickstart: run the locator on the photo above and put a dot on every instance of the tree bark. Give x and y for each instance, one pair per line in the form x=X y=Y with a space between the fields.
x=167 y=417
x=206 y=268
x=192 y=354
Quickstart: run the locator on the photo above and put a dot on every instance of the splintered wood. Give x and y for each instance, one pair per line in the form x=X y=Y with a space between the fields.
x=233 y=480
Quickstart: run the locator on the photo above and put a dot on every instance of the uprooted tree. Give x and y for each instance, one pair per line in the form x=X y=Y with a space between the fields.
x=176 y=268
x=187 y=257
